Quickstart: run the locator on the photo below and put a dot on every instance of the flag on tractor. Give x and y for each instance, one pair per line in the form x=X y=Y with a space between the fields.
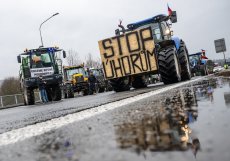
x=203 y=56
x=169 y=10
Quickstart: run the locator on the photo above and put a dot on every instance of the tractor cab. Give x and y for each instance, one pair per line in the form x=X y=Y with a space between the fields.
x=40 y=62
x=73 y=73
x=160 y=25
x=45 y=62
x=75 y=80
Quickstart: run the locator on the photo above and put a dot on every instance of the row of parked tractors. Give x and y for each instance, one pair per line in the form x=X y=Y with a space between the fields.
x=129 y=59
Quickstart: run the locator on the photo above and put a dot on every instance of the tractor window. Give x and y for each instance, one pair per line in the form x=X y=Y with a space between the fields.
x=194 y=60
x=25 y=66
x=156 y=32
x=96 y=72
x=70 y=72
x=25 y=61
x=41 y=60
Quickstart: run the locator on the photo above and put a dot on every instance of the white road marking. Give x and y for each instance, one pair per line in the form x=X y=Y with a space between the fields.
x=21 y=134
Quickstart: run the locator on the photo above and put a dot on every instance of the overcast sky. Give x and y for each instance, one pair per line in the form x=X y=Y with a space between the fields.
x=81 y=23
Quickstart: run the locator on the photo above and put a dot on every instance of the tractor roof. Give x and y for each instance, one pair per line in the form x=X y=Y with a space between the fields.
x=73 y=67
x=49 y=49
x=155 y=19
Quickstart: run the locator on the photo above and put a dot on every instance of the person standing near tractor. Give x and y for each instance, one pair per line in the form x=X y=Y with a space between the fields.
x=42 y=89
x=92 y=83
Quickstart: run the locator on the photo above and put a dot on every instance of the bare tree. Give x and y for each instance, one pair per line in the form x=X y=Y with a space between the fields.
x=73 y=58
x=91 y=63
x=10 y=86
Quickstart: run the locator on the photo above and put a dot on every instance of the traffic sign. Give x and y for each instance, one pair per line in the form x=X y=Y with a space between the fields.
x=220 y=45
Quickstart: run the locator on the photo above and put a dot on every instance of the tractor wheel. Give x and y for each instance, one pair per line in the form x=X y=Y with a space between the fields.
x=49 y=94
x=184 y=62
x=28 y=96
x=86 y=92
x=70 y=93
x=65 y=95
x=120 y=84
x=101 y=90
x=139 y=82
x=169 y=67
x=108 y=86
x=56 y=93
x=203 y=70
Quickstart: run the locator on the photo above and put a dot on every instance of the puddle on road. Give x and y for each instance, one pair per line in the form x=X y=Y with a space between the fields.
x=164 y=129
x=188 y=119
x=166 y=124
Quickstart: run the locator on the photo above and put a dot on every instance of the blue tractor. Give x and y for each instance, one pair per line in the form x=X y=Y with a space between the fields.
x=198 y=64
x=170 y=52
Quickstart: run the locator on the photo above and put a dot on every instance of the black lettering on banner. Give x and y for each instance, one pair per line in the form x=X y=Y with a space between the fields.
x=118 y=38
x=111 y=67
x=106 y=55
x=143 y=40
x=124 y=67
x=134 y=58
x=128 y=42
x=149 y=55
x=146 y=61
x=117 y=68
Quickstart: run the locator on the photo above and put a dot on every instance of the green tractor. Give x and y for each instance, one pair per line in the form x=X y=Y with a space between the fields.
x=102 y=84
x=41 y=62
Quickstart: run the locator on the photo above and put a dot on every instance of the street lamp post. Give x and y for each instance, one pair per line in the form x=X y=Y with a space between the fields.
x=42 y=24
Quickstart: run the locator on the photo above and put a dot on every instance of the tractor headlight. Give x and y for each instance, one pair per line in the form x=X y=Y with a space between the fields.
x=167 y=32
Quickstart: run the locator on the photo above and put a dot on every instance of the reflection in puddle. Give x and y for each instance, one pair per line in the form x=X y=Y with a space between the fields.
x=227 y=98
x=164 y=126
x=226 y=94
x=204 y=89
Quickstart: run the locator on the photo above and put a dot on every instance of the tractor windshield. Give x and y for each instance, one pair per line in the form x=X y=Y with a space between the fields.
x=70 y=72
x=41 y=60
x=155 y=31
x=96 y=72
x=194 y=60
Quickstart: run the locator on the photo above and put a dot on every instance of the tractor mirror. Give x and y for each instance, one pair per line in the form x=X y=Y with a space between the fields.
x=64 y=54
x=173 y=17
x=19 y=59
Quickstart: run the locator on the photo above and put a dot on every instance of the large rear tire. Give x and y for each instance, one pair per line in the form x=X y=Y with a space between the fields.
x=85 y=92
x=139 y=82
x=49 y=94
x=169 y=67
x=28 y=96
x=120 y=84
x=101 y=89
x=56 y=93
x=184 y=62
x=70 y=93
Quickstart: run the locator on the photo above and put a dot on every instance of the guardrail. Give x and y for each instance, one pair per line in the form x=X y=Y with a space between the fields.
x=16 y=100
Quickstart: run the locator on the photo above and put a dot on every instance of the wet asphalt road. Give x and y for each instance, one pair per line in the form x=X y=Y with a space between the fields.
x=187 y=123
x=14 y=118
